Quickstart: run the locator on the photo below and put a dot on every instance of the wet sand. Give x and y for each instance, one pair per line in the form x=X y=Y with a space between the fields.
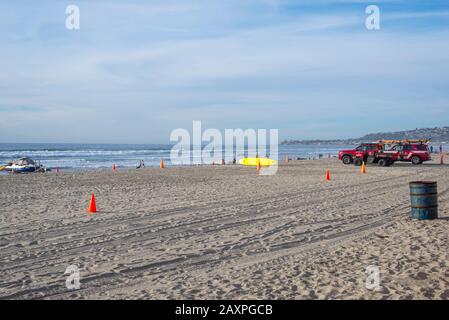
x=223 y=232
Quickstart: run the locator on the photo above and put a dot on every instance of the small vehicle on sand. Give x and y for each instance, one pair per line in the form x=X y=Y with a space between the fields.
x=24 y=165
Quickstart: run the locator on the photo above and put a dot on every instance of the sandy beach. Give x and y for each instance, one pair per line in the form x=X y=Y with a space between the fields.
x=223 y=232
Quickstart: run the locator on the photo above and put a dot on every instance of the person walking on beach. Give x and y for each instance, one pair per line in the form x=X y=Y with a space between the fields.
x=141 y=165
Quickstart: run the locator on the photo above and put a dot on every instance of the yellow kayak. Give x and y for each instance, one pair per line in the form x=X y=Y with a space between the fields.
x=2 y=168
x=264 y=162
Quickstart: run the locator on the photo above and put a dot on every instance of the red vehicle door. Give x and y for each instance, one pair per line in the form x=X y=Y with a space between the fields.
x=408 y=152
x=371 y=150
x=401 y=153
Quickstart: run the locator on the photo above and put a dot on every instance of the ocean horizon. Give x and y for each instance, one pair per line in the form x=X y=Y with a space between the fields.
x=77 y=156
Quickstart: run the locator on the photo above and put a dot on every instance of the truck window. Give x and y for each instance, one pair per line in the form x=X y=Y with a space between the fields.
x=422 y=147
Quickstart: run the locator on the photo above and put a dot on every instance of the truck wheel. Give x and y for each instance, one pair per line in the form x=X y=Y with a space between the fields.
x=357 y=161
x=416 y=160
x=382 y=162
x=346 y=159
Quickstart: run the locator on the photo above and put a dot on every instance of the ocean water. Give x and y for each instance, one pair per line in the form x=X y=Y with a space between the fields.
x=102 y=156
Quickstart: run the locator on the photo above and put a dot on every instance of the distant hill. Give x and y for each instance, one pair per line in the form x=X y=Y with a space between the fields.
x=435 y=134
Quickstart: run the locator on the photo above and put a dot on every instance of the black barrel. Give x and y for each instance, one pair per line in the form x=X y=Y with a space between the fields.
x=424 y=199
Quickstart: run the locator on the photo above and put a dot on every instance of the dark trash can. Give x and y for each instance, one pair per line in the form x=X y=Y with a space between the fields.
x=424 y=200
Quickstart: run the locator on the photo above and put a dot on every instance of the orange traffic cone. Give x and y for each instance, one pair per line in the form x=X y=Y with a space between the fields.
x=363 y=167
x=328 y=175
x=161 y=164
x=92 y=206
x=258 y=167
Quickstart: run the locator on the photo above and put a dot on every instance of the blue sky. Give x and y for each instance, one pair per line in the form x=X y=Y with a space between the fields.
x=136 y=70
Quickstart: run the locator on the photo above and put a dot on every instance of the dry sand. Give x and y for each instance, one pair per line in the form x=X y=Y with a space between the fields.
x=223 y=232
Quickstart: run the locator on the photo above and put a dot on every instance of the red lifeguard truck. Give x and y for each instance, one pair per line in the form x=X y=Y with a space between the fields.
x=387 y=152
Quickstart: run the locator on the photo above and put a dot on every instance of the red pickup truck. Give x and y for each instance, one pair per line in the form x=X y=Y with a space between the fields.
x=363 y=151
x=415 y=153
